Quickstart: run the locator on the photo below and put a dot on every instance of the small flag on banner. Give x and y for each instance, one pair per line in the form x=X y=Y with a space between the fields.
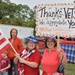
x=4 y=43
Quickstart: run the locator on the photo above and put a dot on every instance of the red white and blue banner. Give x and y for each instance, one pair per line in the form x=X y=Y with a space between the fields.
x=4 y=43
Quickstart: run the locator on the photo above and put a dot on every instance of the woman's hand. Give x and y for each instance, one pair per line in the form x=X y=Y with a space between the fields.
x=1 y=70
x=21 y=60
x=17 y=55
x=31 y=64
x=58 y=49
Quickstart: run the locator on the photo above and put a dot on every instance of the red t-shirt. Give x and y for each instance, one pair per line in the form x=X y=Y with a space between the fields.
x=51 y=61
x=35 y=57
x=4 y=63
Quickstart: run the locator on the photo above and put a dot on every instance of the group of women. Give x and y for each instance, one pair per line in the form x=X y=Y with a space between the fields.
x=28 y=59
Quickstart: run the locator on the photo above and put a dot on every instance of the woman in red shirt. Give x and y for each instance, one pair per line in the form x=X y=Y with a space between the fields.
x=29 y=59
x=51 y=57
x=17 y=44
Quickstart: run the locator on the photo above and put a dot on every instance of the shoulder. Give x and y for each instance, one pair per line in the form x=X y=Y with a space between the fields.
x=37 y=53
x=45 y=50
x=7 y=59
x=17 y=38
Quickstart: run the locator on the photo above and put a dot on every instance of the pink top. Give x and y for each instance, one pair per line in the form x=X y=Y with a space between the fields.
x=4 y=62
x=51 y=61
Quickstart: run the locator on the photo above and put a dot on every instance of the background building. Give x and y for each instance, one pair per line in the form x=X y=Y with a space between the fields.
x=23 y=32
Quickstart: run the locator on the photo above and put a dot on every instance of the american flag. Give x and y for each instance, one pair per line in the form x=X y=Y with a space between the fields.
x=25 y=55
x=4 y=42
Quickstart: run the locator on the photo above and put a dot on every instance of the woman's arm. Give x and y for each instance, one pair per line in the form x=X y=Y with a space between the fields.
x=16 y=60
x=21 y=60
x=31 y=64
x=62 y=55
x=63 y=58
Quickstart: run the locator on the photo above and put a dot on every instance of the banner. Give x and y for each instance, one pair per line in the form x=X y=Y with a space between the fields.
x=4 y=43
x=55 y=19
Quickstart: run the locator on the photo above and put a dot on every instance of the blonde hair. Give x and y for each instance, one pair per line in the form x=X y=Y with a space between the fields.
x=6 y=52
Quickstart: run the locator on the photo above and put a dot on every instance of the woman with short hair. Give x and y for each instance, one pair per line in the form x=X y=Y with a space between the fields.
x=29 y=59
x=52 y=57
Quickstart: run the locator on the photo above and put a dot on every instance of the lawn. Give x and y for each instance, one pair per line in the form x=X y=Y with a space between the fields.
x=70 y=69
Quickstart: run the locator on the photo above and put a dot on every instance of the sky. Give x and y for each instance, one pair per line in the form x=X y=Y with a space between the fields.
x=33 y=3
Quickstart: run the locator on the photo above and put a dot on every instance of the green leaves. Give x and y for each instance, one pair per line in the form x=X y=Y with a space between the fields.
x=13 y=14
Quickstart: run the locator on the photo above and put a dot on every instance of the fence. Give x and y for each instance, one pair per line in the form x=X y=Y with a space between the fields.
x=70 y=51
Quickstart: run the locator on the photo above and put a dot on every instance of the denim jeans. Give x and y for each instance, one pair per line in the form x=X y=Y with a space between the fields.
x=4 y=73
x=15 y=69
x=12 y=65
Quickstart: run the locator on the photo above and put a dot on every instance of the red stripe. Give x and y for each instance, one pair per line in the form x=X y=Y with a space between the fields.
x=2 y=40
x=4 y=48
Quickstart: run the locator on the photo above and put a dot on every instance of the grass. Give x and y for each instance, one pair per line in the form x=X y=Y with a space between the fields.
x=70 y=69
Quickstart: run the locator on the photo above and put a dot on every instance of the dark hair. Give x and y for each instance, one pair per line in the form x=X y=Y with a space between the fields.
x=53 y=39
x=12 y=30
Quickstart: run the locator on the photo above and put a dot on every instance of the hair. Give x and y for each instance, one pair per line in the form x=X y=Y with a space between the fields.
x=52 y=39
x=12 y=30
x=6 y=52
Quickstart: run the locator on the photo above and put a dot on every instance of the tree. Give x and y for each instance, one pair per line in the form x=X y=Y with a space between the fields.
x=0 y=1
x=7 y=1
x=13 y=14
